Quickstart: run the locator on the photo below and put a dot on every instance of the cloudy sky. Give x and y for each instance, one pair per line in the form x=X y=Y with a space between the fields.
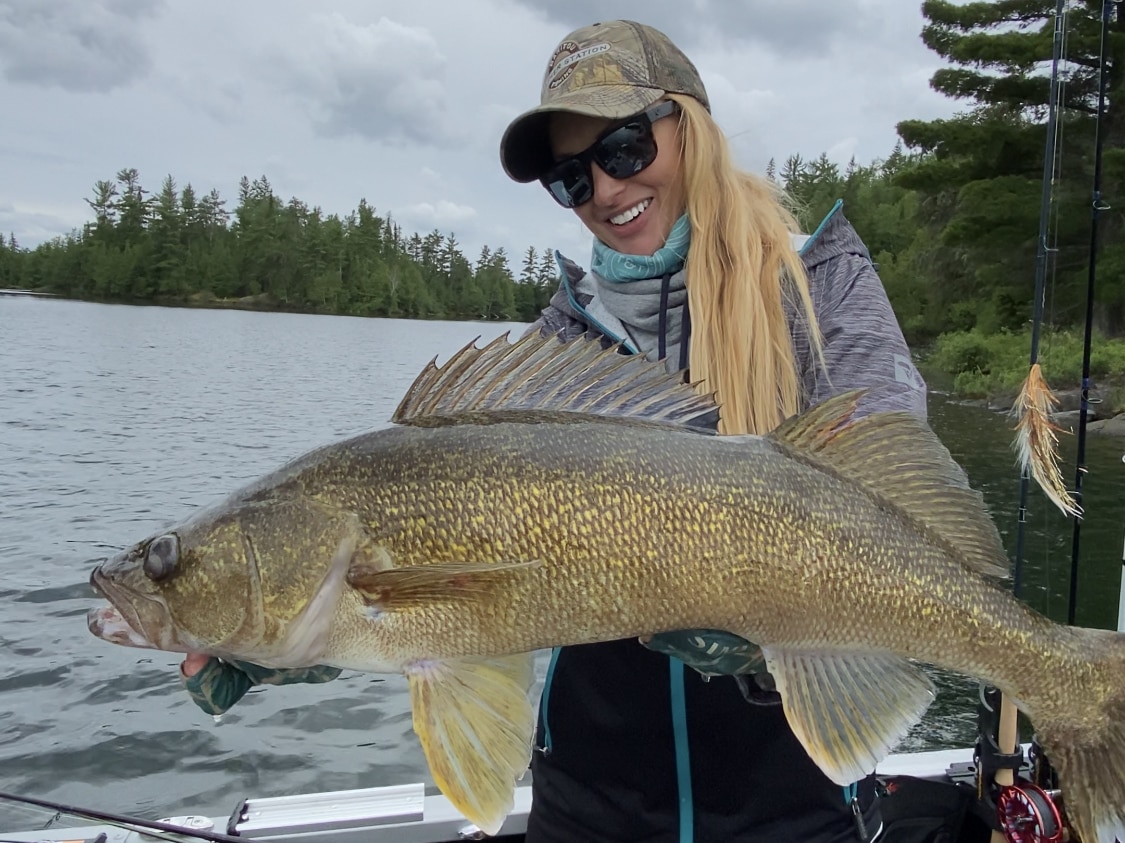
x=403 y=102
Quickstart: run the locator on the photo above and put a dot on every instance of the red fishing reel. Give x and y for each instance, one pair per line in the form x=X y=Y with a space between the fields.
x=1028 y=814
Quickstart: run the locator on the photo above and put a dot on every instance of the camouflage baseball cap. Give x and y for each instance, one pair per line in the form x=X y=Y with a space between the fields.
x=614 y=70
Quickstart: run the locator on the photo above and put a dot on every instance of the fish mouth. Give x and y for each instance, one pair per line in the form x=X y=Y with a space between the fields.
x=107 y=623
x=131 y=619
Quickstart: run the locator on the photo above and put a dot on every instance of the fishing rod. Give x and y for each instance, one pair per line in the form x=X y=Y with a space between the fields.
x=1028 y=804
x=1041 y=259
x=1097 y=206
x=998 y=754
x=156 y=829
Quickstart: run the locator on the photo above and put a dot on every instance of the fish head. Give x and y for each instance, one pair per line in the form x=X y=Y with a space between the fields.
x=181 y=590
x=257 y=580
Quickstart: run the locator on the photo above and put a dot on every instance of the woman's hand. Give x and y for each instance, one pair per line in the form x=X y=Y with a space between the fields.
x=216 y=685
x=193 y=663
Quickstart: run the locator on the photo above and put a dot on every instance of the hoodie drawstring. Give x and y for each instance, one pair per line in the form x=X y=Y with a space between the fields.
x=662 y=341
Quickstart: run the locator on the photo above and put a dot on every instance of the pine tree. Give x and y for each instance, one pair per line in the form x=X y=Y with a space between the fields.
x=793 y=174
x=166 y=236
x=528 y=271
x=982 y=169
x=548 y=272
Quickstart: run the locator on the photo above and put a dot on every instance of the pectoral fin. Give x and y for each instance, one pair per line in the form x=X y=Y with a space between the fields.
x=849 y=710
x=399 y=588
x=476 y=725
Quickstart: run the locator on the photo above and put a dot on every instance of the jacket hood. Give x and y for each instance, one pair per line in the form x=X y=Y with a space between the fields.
x=834 y=236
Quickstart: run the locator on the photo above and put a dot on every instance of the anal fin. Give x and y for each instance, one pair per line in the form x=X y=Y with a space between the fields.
x=477 y=727
x=849 y=710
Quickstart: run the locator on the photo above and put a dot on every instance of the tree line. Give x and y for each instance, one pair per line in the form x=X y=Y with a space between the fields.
x=178 y=246
x=951 y=214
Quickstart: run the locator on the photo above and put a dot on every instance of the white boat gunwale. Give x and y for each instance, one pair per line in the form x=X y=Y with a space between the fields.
x=406 y=814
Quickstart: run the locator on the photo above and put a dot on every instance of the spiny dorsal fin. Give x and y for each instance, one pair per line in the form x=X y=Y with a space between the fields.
x=899 y=458
x=544 y=376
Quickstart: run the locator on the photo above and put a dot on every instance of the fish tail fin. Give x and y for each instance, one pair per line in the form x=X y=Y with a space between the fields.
x=1086 y=743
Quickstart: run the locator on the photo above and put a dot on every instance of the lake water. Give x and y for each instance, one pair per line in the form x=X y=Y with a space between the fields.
x=116 y=420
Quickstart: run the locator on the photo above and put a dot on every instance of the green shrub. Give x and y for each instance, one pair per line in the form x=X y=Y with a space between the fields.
x=1107 y=359
x=964 y=351
x=972 y=385
x=984 y=365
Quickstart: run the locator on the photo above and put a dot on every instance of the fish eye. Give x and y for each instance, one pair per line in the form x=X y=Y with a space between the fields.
x=161 y=557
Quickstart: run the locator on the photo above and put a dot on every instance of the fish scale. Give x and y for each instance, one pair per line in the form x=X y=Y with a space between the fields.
x=498 y=517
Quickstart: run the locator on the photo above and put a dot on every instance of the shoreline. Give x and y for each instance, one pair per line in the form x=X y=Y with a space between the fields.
x=1066 y=416
x=260 y=303
x=30 y=294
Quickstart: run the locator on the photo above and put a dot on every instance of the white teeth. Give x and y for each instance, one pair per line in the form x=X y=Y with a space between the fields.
x=632 y=213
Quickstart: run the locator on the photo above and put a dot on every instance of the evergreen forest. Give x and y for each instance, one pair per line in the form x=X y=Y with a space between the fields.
x=950 y=214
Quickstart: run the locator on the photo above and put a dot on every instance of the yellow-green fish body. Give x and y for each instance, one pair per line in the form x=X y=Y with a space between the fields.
x=517 y=507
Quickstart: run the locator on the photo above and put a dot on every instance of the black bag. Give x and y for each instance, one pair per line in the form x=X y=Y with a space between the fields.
x=924 y=811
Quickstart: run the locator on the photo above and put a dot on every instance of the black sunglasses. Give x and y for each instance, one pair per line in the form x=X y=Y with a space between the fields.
x=622 y=151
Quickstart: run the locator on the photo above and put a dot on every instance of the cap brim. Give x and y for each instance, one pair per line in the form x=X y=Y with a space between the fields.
x=525 y=148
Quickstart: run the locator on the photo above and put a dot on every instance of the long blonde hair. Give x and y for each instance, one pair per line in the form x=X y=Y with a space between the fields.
x=741 y=271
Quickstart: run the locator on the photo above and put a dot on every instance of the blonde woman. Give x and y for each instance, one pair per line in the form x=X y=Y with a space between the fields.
x=696 y=263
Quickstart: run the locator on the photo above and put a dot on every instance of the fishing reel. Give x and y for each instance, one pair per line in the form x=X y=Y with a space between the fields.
x=1027 y=814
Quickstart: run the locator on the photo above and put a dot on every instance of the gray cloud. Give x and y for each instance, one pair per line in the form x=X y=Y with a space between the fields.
x=402 y=102
x=75 y=45
x=442 y=214
x=795 y=26
x=31 y=227
x=35 y=156
x=382 y=81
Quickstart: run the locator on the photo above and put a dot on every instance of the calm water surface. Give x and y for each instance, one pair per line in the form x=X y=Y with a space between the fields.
x=115 y=421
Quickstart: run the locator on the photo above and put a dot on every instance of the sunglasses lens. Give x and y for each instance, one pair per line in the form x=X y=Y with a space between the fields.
x=569 y=183
x=626 y=151
x=622 y=153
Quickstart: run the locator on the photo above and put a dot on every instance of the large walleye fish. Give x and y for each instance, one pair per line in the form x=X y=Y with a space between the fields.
x=536 y=494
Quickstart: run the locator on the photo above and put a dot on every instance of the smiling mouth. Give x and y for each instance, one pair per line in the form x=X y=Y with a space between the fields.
x=631 y=214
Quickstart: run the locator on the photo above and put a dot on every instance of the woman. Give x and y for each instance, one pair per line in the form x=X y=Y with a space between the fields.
x=693 y=262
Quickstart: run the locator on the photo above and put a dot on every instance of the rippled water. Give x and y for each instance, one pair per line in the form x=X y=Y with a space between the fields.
x=115 y=421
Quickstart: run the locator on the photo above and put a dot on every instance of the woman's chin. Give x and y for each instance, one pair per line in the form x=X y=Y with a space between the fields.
x=641 y=243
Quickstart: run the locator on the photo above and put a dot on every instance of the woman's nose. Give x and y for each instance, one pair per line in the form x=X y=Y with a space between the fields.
x=606 y=188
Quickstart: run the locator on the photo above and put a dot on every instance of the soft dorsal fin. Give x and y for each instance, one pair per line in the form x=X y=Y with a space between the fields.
x=899 y=458
x=542 y=376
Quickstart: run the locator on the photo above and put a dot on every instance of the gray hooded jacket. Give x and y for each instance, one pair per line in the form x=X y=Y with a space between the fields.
x=632 y=745
x=863 y=345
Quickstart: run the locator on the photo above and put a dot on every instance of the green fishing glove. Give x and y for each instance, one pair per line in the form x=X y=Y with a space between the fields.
x=220 y=684
x=711 y=652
